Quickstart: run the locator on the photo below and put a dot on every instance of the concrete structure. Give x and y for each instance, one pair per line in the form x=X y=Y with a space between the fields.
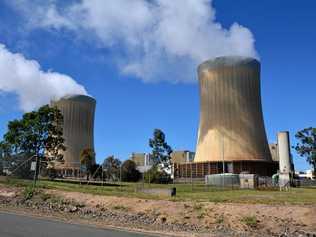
x=138 y=158
x=78 y=129
x=143 y=161
x=227 y=179
x=198 y=170
x=248 y=181
x=231 y=120
x=285 y=160
x=231 y=135
x=284 y=152
x=308 y=174
x=274 y=151
x=182 y=157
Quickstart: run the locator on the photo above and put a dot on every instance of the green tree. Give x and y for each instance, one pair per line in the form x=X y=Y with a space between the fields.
x=155 y=175
x=306 y=146
x=160 y=149
x=111 y=167
x=87 y=157
x=38 y=134
x=129 y=171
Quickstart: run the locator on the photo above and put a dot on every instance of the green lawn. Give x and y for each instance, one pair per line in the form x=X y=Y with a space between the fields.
x=185 y=192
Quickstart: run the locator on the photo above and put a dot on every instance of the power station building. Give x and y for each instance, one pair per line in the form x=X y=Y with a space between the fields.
x=183 y=156
x=231 y=135
x=78 y=130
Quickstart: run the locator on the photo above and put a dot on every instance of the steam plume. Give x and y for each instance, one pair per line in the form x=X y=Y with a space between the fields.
x=154 y=40
x=33 y=86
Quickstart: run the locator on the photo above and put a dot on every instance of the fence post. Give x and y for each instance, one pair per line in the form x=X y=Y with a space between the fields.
x=35 y=173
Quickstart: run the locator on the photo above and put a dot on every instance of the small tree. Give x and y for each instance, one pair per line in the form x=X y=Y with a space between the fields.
x=87 y=157
x=111 y=167
x=155 y=175
x=160 y=149
x=306 y=146
x=38 y=134
x=129 y=171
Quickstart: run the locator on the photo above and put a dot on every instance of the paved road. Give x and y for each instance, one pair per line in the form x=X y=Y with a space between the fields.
x=12 y=225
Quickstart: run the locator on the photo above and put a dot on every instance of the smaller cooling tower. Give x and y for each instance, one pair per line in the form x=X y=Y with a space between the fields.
x=78 y=112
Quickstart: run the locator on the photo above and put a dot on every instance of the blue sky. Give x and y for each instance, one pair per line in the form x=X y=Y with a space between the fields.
x=129 y=108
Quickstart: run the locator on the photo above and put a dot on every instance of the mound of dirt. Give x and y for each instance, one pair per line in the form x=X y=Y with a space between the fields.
x=180 y=218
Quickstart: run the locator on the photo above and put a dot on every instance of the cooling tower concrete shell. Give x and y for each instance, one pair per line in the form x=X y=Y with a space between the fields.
x=231 y=121
x=78 y=127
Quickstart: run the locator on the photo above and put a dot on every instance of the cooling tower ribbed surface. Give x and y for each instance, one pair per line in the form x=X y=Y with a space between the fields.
x=78 y=112
x=231 y=121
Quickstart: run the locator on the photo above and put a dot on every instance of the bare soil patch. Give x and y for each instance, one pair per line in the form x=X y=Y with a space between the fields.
x=181 y=218
x=272 y=219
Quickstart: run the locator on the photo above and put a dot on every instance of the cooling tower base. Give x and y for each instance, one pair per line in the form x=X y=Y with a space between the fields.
x=200 y=169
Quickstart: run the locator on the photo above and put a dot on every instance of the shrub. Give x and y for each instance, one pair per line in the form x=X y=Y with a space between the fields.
x=28 y=193
x=250 y=221
x=45 y=196
x=129 y=171
x=156 y=176
x=120 y=208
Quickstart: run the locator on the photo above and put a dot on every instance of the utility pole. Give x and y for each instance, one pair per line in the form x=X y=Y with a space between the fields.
x=149 y=178
x=223 y=160
x=121 y=177
x=102 y=176
x=191 y=178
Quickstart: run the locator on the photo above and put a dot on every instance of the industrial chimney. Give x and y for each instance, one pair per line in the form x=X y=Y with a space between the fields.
x=231 y=121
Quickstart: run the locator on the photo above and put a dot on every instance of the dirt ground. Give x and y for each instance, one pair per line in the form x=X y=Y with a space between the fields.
x=240 y=219
x=268 y=217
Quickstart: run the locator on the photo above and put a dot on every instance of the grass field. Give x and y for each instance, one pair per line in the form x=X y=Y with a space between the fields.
x=185 y=192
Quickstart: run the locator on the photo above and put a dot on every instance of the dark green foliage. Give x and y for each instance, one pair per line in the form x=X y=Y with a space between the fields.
x=306 y=146
x=154 y=175
x=37 y=134
x=250 y=221
x=96 y=171
x=129 y=171
x=28 y=193
x=111 y=168
x=160 y=149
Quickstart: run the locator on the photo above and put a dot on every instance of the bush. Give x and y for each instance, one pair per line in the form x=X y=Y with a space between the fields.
x=156 y=176
x=28 y=193
x=250 y=221
x=129 y=171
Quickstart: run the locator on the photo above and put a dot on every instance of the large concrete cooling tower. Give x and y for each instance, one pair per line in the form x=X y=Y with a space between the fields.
x=231 y=121
x=78 y=112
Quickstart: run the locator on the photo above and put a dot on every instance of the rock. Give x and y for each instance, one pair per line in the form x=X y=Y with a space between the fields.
x=73 y=209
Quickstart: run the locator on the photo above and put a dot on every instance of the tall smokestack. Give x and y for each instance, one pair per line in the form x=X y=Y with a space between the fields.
x=231 y=120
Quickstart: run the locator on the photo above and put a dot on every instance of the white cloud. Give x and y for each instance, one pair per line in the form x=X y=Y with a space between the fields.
x=160 y=39
x=33 y=86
